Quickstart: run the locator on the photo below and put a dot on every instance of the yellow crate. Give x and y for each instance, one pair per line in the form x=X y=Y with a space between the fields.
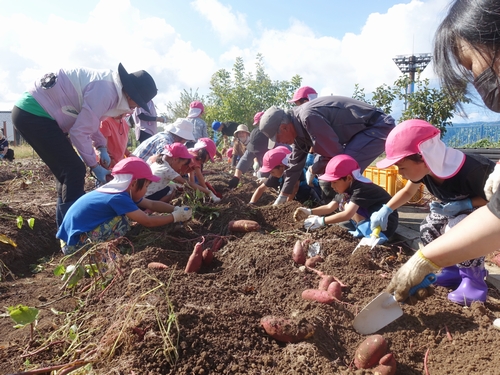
x=391 y=182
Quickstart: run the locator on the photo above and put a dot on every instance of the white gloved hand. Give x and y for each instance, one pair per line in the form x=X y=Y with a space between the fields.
x=261 y=180
x=183 y=213
x=314 y=222
x=280 y=200
x=410 y=274
x=214 y=197
x=310 y=176
x=301 y=213
x=491 y=185
x=256 y=166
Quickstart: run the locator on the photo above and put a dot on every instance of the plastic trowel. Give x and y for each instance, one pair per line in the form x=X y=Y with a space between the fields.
x=371 y=241
x=384 y=309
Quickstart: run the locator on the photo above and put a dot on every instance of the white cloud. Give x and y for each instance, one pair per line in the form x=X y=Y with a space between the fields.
x=229 y=25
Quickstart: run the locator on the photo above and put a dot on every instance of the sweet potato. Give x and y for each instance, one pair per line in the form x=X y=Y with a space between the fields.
x=387 y=365
x=299 y=253
x=311 y=262
x=370 y=351
x=157 y=265
x=196 y=258
x=335 y=290
x=286 y=330
x=325 y=281
x=243 y=226
x=207 y=256
x=321 y=296
x=217 y=244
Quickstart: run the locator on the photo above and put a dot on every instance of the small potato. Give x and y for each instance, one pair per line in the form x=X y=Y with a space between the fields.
x=321 y=296
x=312 y=262
x=157 y=265
x=335 y=290
x=243 y=226
x=299 y=253
x=208 y=256
x=370 y=351
x=325 y=281
x=387 y=365
x=286 y=330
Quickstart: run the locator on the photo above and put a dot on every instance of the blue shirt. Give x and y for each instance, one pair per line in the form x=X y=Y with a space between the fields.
x=91 y=210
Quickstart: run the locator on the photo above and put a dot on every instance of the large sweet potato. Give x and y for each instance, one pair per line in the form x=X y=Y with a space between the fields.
x=387 y=365
x=335 y=290
x=286 y=330
x=243 y=226
x=299 y=253
x=196 y=258
x=370 y=351
x=321 y=296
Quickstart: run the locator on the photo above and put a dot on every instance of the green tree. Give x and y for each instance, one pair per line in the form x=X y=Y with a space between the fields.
x=430 y=104
x=180 y=108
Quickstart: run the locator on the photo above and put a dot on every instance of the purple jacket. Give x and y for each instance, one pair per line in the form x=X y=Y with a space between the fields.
x=78 y=101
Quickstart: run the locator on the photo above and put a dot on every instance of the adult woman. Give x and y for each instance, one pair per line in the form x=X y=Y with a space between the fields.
x=465 y=49
x=64 y=109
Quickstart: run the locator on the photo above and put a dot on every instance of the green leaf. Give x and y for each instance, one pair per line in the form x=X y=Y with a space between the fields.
x=31 y=222
x=59 y=270
x=19 y=221
x=22 y=315
x=74 y=277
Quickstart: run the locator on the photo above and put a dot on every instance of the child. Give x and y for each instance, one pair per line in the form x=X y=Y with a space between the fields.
x=203 y=150
x=456 y=179
x=6 y=153
x=241 y=139
x=357 y=198
x=115 y=130
x=104 y=214
x=275 y=162
x=167 y=167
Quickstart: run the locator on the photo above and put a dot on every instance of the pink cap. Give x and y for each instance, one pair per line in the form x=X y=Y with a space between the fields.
x=177 y=150
x=135 y=166
x=196 y=108
x=405 y=140
x=304 y=92
x=257 y=117
x=207 y=144
x=275 y=157
x=341 y=166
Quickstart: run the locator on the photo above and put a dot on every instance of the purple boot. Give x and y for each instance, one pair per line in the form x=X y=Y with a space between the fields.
x=449 y=277
x=472 y=288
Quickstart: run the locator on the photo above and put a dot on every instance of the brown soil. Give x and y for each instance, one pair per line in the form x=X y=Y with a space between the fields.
x=137 y=320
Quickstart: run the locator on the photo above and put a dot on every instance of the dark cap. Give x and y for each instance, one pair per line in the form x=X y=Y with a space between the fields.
x=271 y=121
x=139 y=85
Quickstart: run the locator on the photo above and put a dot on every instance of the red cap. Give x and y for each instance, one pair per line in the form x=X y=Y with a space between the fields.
x=177 y=150
x=135 y=166
x=304 y=92
x=275 y=157
x=257 y=117
x=405 y=139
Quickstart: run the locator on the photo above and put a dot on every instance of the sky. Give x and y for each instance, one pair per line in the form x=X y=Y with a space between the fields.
x=331 y=44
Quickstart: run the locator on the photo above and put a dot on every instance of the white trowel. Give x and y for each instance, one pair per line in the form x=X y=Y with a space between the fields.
x=384 y=309
x=371 y=241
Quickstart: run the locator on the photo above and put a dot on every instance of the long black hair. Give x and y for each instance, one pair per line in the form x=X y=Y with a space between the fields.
x=476 y=22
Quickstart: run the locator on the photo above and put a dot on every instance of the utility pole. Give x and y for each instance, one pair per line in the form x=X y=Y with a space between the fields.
x=411 y=64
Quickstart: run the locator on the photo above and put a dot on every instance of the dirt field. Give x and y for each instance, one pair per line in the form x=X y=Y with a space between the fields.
x=136 y=320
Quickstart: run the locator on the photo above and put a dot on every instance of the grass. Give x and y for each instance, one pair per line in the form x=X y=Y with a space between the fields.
x=24 y=151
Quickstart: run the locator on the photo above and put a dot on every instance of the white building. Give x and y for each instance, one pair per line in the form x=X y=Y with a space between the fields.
x=6 y=125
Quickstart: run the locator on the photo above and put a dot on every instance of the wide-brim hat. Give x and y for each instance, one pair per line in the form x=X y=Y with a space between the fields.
x=181 y=128
x=241 y=128
x=140 y=86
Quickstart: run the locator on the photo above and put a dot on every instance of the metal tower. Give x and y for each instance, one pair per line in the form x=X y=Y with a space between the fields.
x=411 y=64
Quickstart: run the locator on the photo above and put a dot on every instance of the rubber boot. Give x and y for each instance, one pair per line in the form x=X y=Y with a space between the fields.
x=449 y=277
x=472 y=288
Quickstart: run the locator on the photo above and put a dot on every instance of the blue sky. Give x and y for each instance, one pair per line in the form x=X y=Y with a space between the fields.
x=332 y=44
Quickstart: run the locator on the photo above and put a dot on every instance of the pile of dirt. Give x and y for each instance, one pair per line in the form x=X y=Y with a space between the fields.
x=138 y=320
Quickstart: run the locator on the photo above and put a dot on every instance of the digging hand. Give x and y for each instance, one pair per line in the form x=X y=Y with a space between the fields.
x=301 y=213
x=380 y=218
x=183 y=213
x=104 y=156
x=314 y=222
x=410 y=274
x=451 y=209
x=100 y=173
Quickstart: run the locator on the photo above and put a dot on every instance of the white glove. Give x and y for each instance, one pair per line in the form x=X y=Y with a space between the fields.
x=301 y=213
x=214 y=197
x=491 y=185
x=280 y=200
x=314 y=222
x=183 y=213
x=410 y=274
x=309 y=176
x=256 y=166
x=261 y=180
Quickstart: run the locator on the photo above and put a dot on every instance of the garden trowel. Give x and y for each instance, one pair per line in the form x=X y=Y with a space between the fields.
x=384 y=309
x=371 y=241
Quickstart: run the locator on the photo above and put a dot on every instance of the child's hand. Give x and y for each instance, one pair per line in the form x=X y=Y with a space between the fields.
x=183 y=213
x=301 y=213
x=314 y=222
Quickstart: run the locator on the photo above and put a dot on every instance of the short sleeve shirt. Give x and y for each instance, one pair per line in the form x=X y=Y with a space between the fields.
x=165 y=172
